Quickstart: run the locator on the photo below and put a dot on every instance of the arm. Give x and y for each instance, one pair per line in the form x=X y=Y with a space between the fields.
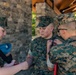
x=49 y=64
x=29 y=58
x=32 y=53
x=57 y=41
x=13 y=69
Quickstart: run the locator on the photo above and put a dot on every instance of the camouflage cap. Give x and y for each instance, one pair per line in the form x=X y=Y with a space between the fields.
x=45 y=21
x=66 y=18
x=3 y=22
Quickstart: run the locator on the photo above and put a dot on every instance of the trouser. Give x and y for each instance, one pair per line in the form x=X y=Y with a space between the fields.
x=7 y=59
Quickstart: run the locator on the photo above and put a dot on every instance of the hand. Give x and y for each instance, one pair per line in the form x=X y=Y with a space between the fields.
x=24 y=65
x=10 y=64
x=57 y=41
x=50 y=69
x=49 y=43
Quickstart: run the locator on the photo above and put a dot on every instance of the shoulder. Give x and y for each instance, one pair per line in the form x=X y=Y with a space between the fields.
x=58 y=38
x=38 y=39
x=64 y=47
x=57 y=49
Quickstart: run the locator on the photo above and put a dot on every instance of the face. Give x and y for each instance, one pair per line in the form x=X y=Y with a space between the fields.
x=46 y=32
x=2 y=32
x=62 y=31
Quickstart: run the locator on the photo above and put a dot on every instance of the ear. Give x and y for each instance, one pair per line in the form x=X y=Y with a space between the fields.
x=5 y=33
x=52 y=28
x=64 y=31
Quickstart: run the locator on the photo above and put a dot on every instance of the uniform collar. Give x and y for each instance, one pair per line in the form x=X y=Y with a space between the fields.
x=51 y=38
x=71 y=39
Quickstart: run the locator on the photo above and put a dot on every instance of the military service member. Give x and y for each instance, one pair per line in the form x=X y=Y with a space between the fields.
x=65 y=54
x=39 y=47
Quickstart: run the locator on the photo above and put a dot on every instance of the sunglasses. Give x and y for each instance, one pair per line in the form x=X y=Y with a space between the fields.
x=58 y=30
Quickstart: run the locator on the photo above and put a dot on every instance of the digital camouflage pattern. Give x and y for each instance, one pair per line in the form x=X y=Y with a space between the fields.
x=65 y=55
x=45 y=21
x=66 y=18
x=38 y=49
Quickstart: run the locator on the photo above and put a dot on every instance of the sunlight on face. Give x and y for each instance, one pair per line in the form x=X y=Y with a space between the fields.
x=2 y=32
x=45 y=32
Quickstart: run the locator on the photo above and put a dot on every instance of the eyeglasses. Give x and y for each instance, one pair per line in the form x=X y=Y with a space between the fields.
x=60 y=29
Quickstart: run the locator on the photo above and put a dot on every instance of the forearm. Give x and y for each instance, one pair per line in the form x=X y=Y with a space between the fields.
x=13 y=69
x=10 y=70
x=49 y=64
x=29 y=60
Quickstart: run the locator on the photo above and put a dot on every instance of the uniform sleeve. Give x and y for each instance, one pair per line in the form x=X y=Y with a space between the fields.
x=33 y=52
x=52 y=57
x=30 y=56
x=33 y=48
x=56 y=54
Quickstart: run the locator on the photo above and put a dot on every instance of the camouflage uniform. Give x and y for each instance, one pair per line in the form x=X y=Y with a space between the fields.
x=39 y=49
x=65 y=56
x=39 y=52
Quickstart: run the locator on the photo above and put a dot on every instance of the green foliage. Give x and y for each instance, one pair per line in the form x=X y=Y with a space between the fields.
x=75 y=16
x=33 y=23
x=33 y=29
